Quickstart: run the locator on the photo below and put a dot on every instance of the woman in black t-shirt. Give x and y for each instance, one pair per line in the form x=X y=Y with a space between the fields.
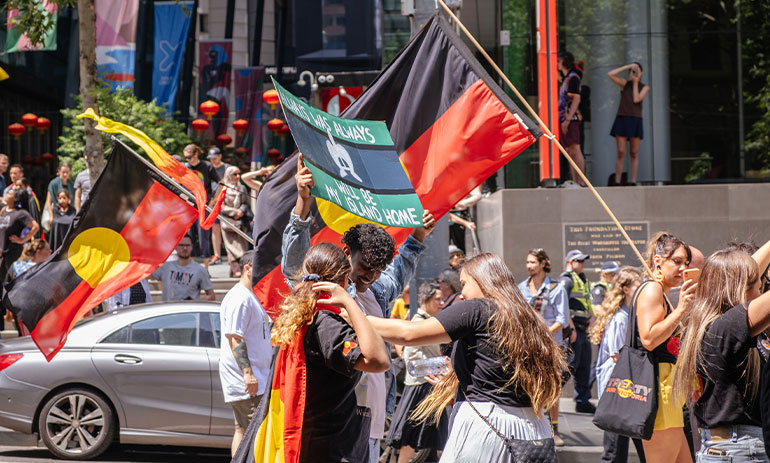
x=335 y=423
x=508 y=366
x=12 y=222
x=658 y=326
x=719 y=360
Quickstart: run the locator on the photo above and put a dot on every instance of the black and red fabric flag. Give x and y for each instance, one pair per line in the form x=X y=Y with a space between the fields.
x=131 y=223
x=452 y=126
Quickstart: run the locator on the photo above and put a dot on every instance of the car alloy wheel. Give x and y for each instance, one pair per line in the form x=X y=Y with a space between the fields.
x=77 y=424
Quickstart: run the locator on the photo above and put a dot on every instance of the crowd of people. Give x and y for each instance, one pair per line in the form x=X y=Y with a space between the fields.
x=510 y=348
x=484 y=359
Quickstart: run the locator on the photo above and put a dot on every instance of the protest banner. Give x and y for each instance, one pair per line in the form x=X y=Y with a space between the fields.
x=354 y=164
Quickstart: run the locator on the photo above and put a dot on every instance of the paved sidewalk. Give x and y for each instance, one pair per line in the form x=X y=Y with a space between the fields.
x=582 y=440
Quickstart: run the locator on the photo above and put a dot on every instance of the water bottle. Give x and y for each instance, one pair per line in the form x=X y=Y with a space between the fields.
x=426 y=367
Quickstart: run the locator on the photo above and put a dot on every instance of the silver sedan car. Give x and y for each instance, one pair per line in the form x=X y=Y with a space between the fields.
x=146 y=374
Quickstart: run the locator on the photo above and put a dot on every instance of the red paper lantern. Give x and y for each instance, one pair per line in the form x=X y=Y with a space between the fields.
x=241 y=151
x=28 y=160
x=42 y=124
x=209 y=108
x=241 y=125
x=271 y=97
x=224 y=139
x=284 y=130
x=273 y=153
x=29 y=119
x=47 y=157
x=200 y=125
x=16 y=130
x=278 y=160
x=275 y=125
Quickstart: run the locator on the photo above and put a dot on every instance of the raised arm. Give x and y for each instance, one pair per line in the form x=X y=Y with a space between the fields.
x=762 y=257
x=410 y=333
x=613 y=75
x=375 y=357
x=296 y=235
x=639 y=93
x=654 y=325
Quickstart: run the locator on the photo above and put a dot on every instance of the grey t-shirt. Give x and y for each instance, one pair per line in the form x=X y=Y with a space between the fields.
x=83 y=181
x=182 y=282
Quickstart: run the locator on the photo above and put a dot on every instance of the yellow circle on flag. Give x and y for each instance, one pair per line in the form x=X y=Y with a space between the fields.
x=98 y=254
x=337 y=218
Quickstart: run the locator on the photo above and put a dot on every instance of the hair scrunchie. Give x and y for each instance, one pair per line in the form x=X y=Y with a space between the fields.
x=311 y=277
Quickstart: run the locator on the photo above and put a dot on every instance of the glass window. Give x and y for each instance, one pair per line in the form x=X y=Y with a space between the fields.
x=118 y=337
x=334 y=31
x=206 y=334
x=179 y=329
x=217 y=328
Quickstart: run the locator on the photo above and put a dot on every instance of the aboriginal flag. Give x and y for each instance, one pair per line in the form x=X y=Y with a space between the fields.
x=131 y=223
x=452 y=126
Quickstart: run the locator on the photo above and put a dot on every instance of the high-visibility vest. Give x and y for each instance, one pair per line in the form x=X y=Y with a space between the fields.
x=581 y=293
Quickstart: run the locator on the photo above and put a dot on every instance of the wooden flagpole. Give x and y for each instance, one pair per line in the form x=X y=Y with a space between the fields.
x=547 y=133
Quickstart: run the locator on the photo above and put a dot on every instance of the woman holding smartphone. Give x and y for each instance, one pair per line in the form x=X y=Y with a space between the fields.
x=719 y=361
x=658 y=327
x=628 y=121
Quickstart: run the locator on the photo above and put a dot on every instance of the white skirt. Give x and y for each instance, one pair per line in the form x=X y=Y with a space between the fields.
x=472 y=441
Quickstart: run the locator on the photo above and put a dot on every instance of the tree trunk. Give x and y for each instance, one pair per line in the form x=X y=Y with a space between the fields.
x=87 y=31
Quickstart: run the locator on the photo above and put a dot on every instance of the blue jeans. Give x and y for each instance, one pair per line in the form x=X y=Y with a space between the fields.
x=580 y=366
x=374 y=450
x=204 y=240
x=744 y=446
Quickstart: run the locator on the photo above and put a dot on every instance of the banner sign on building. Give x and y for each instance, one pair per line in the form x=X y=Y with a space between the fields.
x=16 y=40
x=335 y=100
x=116 y=41
x=172 y=22
x=354 y=164
x=248 y=106
x=215 y=66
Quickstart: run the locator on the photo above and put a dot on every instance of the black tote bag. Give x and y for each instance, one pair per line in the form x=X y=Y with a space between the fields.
x=629 y=402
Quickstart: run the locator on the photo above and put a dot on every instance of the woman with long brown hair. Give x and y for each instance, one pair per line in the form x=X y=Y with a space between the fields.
x=508 y=368
x=334 y=426
x=658 y=330
x=609 y=332
x=719 y=359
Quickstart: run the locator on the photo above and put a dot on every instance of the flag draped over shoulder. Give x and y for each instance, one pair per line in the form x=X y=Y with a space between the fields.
x=452 y=126
x=131 y=223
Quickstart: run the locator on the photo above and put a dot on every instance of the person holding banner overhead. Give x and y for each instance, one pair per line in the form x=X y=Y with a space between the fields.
x=377 y=280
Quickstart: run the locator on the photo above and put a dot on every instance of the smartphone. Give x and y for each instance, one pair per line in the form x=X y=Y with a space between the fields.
x=691 y=274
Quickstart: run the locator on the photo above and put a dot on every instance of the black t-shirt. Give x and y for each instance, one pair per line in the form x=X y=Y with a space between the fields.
x=12 y=223
x=725 y=349
x=336 y=423
x=474 y=359
x=207 y=174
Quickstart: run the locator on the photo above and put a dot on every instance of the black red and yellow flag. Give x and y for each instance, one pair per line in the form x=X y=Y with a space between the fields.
x=131 y=223
x=452 y=126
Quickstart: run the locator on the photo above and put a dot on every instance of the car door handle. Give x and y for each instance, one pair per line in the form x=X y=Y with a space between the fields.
x=128 y=359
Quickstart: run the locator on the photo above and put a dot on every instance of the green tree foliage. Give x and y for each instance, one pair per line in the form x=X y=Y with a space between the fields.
x=755 y=19
x=33 y=18
x=121 y=106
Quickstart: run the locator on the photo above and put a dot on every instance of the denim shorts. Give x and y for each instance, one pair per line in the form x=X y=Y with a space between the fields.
x=744 y=446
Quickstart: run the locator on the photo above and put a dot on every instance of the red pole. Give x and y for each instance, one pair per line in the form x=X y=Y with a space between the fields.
x=548 y=89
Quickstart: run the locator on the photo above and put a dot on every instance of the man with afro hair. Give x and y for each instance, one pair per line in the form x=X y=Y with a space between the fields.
x=377 y=280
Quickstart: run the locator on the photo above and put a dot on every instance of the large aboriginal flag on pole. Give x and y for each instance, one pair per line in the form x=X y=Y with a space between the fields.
x=131 y=223
x=452 y=127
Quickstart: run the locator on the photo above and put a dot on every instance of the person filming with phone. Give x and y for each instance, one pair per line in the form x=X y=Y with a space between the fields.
x=628 y=122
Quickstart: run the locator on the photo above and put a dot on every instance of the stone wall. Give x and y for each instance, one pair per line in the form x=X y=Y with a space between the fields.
x=510 y=222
